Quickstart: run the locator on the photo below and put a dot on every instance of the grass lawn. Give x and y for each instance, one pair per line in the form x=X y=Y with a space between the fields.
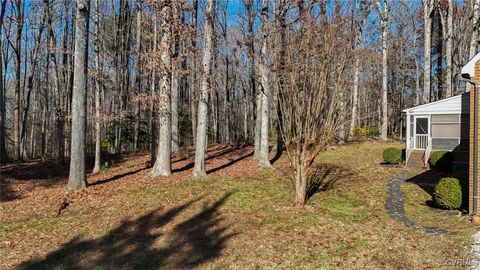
x=239 y=217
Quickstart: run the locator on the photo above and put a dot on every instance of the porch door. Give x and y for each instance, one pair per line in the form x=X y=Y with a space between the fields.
x=422 y=131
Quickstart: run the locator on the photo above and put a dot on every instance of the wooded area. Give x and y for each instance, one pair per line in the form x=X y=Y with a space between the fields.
x=81 y=79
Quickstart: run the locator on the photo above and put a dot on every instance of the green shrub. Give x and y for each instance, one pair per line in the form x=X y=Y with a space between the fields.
x=392 y=155
x=448 y=193
x=441 y=160
x=104 y=167
x=372 y=132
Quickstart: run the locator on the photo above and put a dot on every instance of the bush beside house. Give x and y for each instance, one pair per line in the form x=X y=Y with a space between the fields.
x=448 y=193
x=392 y=155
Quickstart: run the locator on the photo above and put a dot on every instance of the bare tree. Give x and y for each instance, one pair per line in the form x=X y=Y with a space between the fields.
x=475 y=6
x=175 y=79
x=138 y=72
x=77 y=177
x=20 y=9
x=449 y=49
x=200 y=146
x=162 y=166
x=383 y=12
x=265 y=93
x=3 y=150
x=193 y=83
x=363 y=11
x=428 y=6
x=308 y=103
x=96 y=167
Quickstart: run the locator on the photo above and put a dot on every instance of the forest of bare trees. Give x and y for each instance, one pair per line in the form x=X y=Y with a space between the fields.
x=87 y=78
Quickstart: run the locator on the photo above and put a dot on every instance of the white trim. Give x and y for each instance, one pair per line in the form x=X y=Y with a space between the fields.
x=415 y=117
x=469 y=68
x=433 y=103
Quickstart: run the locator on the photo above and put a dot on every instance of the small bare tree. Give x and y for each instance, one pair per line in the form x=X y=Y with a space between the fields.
x=309 y=96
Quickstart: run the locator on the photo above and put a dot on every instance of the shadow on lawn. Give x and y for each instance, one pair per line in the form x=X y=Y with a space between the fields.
x=132 y=244
x=324 y=177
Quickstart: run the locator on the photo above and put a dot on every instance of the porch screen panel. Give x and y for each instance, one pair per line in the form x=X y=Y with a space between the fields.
x=446 y=131
x=449 y=118
x=440 y=130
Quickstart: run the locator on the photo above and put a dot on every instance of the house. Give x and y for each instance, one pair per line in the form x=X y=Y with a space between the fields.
x=450 y=124
x=439 y=125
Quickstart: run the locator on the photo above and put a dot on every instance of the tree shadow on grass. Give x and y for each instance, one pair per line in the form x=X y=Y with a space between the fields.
x=116 y=177
x=224 y=151
x=231 y=162
x=6 y=192
x=196 y=240
x=324 y=177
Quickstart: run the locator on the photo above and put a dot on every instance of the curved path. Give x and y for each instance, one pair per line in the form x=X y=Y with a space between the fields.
x=394 y=203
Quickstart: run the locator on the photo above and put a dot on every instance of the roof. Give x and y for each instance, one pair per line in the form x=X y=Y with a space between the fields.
x=469 y=68
x=453 y=105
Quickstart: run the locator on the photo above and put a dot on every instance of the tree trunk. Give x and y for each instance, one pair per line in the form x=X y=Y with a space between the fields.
x=153 y=93
x=175 y=82
x=251 y=65
x=264 y=160
x=449 y=49
x=475 y=21
x=3 y=150
x=18 y=77
x=162 y=165
x=200 y=147
x=385 y=27
x=193 y=83
x=96 y=29
x=77 y=177
x=301 y=182
x=138 y=72
x=427 y=10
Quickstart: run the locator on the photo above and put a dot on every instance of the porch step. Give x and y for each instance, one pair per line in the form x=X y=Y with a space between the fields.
x=416 y=160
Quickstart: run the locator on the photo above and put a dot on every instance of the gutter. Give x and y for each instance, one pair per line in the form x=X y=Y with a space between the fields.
x=466 y=78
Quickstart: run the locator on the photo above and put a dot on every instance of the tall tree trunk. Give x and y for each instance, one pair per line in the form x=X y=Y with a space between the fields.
x=384 y=14
x=96 y=167
x=153 y=94
x=356 y=76
x=475 y=28
x=3 y=150
x=138 y=72
x=175 y=81
x=18 y=77
x=77 y=177
x=427 y=20
x=251 y=65
x=449 y=49
x=264 y=160
x=193 y=84
x=162 y=165
x=200 y=147
x=59 y=117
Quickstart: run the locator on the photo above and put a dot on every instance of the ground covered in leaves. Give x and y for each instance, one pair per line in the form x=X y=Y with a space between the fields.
x=238 y=217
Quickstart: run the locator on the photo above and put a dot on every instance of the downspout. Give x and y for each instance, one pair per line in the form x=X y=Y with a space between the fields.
x=466 y=78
